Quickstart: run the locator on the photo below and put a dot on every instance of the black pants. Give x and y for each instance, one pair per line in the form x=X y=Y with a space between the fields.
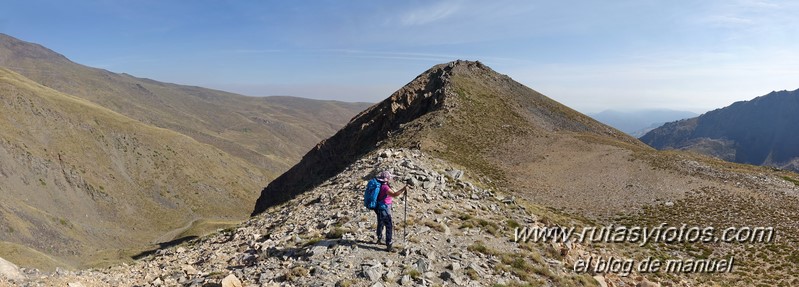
x=384 y=220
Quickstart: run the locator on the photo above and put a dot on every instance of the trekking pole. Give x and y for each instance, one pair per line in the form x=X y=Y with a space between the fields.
x=405 y=226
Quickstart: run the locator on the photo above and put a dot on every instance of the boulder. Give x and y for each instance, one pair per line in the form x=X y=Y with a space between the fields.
x=231 y=281
x=10 y=271
x=373 y=273
x=456 y=174
x=647 y=283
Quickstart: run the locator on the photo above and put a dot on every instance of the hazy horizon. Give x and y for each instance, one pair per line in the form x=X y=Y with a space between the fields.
x=591 y=56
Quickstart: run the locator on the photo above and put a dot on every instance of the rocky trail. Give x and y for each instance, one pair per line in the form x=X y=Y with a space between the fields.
x=458 y=234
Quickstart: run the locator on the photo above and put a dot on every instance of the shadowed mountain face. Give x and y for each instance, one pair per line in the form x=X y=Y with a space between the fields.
x=271 y=132
x=760 y=132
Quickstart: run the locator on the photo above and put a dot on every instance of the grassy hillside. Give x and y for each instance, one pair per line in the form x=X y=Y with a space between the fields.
x=271 y=133
x=78 y=178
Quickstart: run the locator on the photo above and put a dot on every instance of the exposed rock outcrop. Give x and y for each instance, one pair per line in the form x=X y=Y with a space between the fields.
x=10 y=271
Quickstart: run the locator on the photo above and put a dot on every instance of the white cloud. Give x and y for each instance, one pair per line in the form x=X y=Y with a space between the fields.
x=758 y=4
x=252 y=51
x=393 y=55
x=729 y=20
x=426 y=15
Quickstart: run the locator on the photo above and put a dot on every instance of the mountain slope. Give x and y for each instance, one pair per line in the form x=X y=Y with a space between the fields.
x=271 y=132
x=484 y=155
x=468 y=114
x=518 y=144
x=80 y=182
x=760 y=132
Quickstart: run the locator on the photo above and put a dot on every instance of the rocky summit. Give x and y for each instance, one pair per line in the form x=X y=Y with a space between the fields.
x=476 y=118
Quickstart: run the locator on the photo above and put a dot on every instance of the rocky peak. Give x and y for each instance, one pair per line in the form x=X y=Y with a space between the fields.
x=427 y=93
x=462 y=109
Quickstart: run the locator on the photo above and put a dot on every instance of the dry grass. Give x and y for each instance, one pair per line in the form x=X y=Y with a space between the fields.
x=87 y=167
x=756 y=264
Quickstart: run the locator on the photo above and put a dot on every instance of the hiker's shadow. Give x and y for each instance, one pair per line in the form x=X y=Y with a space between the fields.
x=162 y=246
x=307 y=252
x=370 y=245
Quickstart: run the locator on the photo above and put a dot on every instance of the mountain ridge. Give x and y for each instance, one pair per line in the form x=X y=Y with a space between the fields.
x=759 y=132
x=442 y=111
x=77 y=175
x=246 y=127
x=108 y=143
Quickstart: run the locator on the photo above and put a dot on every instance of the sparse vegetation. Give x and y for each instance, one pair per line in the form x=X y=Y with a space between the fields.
x=344 y=283
x=472 y=274
x=312 y=241
x=337 y=232
x=435 y=226
x=479 y=247
x=468 y=221
x=415 y=274
x=712 y=206
x=296 y=273
x=512 y=224
x=792 y=180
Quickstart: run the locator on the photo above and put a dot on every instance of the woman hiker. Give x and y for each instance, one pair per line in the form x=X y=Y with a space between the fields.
x=383 y=211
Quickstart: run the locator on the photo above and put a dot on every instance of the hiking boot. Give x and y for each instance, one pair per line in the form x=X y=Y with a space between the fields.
x=378 y=240
x=389 y=248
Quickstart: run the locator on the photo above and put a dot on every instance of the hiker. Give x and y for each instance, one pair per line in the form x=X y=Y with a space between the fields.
x=383 y=211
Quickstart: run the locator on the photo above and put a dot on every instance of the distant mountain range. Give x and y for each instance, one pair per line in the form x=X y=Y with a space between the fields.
x=95 y=165
x=638 y=122
x=269 y=132
x=762 y=131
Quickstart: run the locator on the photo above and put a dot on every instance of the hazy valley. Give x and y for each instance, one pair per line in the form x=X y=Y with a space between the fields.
x=638 y=122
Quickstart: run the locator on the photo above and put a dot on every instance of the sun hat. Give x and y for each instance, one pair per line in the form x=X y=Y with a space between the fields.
x=384 y=176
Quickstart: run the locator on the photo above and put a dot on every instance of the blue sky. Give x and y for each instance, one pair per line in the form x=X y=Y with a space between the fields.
x=590 y=55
